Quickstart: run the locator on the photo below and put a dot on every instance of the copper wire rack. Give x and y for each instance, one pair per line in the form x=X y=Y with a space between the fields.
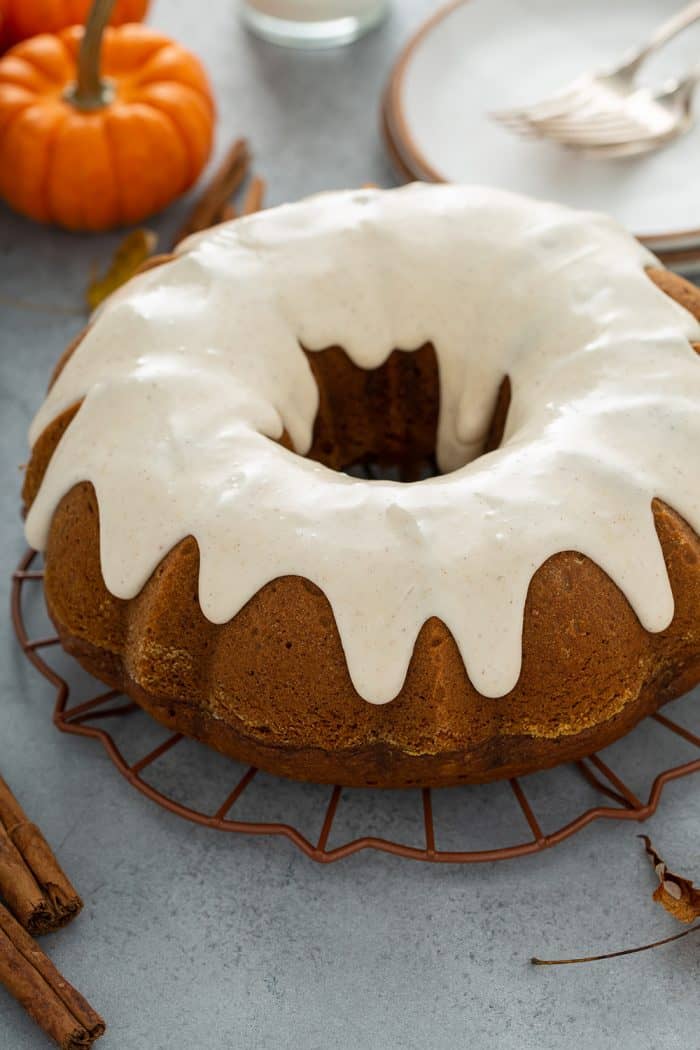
x=80 y=719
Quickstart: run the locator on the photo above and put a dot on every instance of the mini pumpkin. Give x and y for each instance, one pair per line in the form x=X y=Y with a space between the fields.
x=25 y=18
x=103 y=128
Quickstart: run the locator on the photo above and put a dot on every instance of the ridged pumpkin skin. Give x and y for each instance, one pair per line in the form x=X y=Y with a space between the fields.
x=20 y=19
x=110 y=166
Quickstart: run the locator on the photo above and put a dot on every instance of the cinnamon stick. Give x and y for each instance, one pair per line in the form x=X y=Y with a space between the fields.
x=223 y=184
x=32 y=882
x=48 y=998
x=19 y=889
x=252 y=202
x=255 y=194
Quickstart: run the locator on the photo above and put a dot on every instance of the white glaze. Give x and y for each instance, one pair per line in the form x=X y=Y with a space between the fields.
x=189 y=370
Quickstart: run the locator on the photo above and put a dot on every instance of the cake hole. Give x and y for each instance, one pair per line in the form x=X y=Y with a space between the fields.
x=381 y=423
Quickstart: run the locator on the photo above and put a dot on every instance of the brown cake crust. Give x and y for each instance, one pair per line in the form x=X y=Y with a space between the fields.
x=271 y=686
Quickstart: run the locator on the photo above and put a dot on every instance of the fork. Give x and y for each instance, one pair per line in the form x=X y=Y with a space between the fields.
x=602 y=97
x=648 y=121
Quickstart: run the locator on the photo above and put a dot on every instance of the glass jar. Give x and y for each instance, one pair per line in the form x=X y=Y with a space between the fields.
x=312 y=23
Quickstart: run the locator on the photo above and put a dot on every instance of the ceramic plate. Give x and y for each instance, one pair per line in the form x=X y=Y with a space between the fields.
x=477 y=55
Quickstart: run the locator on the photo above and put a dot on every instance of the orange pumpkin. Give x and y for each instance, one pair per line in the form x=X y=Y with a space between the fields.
x=92 y=144
x=25 y=18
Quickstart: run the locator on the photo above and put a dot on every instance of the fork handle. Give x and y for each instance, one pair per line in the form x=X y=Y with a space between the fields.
x=665 y=32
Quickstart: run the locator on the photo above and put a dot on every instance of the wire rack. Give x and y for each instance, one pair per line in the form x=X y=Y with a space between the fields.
x=79 y=720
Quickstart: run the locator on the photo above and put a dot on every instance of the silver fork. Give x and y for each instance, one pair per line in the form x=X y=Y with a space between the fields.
x=648 y=121
x=603 y=96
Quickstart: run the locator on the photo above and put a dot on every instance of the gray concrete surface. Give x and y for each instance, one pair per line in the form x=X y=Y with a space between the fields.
x=195 y=939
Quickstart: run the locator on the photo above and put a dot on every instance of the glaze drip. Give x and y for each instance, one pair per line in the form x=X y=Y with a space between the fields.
x=190 y=374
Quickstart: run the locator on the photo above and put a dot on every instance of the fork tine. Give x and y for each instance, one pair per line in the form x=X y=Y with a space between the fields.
x=592 y=138
x=640 y=117
x=600 y=119
x=592 y=128
x=527 y=125
x=605 y=126
x=561 y=103
x=521 y=127
x=594 y=133
x=596 y=111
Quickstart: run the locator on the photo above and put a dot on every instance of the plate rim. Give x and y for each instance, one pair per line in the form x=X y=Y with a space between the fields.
x=412 y=159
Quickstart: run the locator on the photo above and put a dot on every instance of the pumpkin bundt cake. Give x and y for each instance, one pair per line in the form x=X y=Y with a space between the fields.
x=207 y=552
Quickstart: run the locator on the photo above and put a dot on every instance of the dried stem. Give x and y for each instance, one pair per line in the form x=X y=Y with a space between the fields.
x=614 y=955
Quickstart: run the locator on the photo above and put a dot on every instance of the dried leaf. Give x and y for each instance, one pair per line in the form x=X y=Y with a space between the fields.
x=677 y=895
x=131 y=253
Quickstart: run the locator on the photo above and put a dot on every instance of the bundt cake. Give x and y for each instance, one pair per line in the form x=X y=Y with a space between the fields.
x=207 y=552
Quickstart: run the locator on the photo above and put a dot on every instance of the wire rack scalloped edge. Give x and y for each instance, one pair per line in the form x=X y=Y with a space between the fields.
x=76 y=719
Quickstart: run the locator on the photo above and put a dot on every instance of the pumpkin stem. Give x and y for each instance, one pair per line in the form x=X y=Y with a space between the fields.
x=91 y=91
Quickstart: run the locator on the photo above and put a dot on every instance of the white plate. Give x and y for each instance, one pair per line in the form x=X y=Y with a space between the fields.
x=477 y=55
